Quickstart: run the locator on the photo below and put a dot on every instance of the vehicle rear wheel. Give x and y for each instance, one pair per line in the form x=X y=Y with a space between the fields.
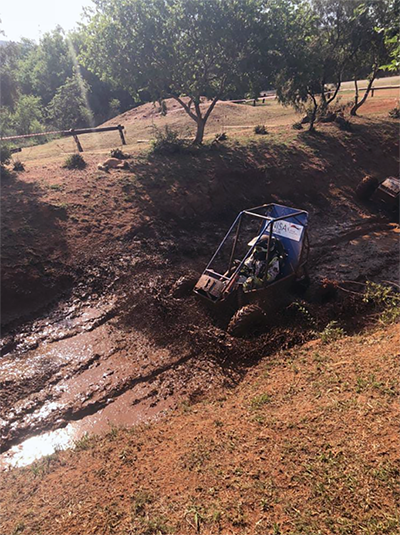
x=184 y=285
x=246 y=320
x=366 y=187
x=300 y=286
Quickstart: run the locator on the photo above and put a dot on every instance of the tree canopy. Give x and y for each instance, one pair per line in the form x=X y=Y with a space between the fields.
x=330 y=40
x=182 y=49
x=35 y=76
x=196 y=52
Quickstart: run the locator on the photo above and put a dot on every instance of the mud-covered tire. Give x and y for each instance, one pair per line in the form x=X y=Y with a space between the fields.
x=300 y=286
x=246 y=320
x=184 y=286
x=366 y=187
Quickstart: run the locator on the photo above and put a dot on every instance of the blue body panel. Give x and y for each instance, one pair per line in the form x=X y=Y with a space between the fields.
x=292 y=244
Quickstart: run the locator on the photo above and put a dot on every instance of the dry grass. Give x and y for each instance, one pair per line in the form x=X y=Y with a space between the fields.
x=140 y=123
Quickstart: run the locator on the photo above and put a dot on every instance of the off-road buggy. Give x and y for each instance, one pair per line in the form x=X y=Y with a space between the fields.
x=386 y=193
x=253 y=271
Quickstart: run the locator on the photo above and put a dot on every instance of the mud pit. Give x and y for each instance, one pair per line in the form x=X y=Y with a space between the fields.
x=80 y=371
x=130 y=355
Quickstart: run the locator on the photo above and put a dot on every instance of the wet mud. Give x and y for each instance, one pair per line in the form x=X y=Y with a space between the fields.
x=129 y=354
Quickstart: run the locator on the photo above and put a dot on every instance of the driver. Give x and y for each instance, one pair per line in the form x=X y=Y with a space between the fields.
x=257 y=269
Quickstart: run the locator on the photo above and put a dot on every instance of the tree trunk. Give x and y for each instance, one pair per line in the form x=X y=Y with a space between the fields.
x=201 y=123
x=357 y=105
x=313 y=115
x=356 y=96
x=197 y=116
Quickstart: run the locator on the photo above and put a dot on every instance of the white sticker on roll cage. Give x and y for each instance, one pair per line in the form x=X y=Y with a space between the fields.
x=288 y=230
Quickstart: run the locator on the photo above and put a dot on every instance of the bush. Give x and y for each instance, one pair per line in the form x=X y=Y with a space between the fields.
x=332 y=332
x=75 y=161
x=166 y=141
x=5 y=157
x=385 y=299
x=18 y=166
x=297 y=126
x=395 y=113
x=260 y=129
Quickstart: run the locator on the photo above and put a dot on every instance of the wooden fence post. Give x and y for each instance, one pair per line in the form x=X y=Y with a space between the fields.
x=76 y=139
x=121 y=133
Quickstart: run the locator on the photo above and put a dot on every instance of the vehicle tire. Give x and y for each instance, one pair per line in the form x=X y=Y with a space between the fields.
x=366 y=187
x=184 y=286
x=300 y=286
x=246 y=320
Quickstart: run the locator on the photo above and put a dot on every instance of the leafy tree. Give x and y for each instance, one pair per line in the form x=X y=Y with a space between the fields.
x=314 y=52
x=28 y=116
x=7 y=91
x=370 y=44
x=47 y=66
x=392 y=37
x=5 y=159
x=9 y=55
x=181 y=49
x=68 y=108
x=115 y=107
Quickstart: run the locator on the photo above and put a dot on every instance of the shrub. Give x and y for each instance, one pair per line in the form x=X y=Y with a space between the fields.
x=18 y=166
x=260 y=129
x=395 y=113
x=297 y=126
x=332 y=332
x=384 y=298
x=75 y=161
x=5 y=157
x=166 y=141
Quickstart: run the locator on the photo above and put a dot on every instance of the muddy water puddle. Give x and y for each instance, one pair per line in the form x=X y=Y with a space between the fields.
x=125 y=411
x=77 y=375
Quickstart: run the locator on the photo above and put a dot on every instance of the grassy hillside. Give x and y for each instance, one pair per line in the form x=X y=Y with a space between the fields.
x=235 y=119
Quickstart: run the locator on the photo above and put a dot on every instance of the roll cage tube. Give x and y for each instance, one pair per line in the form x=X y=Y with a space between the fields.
x=252 y=212
x=249 y=252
